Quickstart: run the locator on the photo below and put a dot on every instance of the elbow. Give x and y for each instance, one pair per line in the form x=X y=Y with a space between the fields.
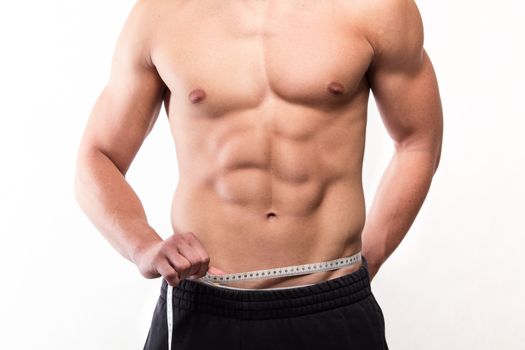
x=437 y=158
x=78 y=182
x=78 y=190
x=428 y=148
x=83 y=175
x=436 y=163
x=427 y=154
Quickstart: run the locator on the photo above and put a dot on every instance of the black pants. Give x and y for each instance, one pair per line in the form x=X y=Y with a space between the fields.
x=341 y=313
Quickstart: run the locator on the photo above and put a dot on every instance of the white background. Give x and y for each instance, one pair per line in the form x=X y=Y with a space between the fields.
x=457 y=280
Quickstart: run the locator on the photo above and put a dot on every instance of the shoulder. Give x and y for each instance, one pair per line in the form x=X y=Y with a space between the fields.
x=144 y=13
x=139 y=29
x=145 y=16
x=394 y=29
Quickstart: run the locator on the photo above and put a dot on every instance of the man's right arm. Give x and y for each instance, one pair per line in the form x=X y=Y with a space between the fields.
x=120 y=120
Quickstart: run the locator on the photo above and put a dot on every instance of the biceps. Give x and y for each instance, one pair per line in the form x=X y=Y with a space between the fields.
x=123 y=116
x=409 y=104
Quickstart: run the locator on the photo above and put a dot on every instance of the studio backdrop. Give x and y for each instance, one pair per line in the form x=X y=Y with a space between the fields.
x=456 y=281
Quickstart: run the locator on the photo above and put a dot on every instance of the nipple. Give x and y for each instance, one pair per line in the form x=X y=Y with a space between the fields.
x=196 y=95
x=336 y=88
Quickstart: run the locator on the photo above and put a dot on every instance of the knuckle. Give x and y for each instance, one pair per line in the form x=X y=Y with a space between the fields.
x=191 y=236
x=184 y=265
x=178 y=238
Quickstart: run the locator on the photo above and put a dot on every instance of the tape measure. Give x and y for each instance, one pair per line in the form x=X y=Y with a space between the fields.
x=293 y=270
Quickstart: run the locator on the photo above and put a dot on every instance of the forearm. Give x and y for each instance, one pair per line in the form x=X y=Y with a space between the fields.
x=399 y=197
x=110 y=203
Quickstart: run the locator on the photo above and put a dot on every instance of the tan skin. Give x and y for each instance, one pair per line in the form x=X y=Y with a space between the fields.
x=267 y=105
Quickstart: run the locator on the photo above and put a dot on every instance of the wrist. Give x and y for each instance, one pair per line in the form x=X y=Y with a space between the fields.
x=143 y=245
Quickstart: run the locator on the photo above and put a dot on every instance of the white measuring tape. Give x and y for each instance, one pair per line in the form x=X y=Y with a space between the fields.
x=258 y=274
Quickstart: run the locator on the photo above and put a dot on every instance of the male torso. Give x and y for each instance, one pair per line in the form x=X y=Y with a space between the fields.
x=267 y=104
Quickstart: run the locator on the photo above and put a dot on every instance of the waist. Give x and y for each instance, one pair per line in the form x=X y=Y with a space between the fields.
x=344 y=266
x=259 y=304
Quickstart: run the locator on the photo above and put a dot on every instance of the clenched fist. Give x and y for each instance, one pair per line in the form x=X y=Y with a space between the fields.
x=178 y=257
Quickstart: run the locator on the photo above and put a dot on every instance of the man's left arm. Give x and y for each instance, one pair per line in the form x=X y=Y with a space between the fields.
x=406 y=92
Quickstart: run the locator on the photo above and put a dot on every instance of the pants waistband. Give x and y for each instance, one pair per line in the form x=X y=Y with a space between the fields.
x=263 y=304
x=237 y=288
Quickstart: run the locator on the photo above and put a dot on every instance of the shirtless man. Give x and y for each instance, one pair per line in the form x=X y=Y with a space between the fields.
x=267 y=104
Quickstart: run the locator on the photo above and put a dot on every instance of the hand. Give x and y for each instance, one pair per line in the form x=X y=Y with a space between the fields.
x=178 y=257
x=372 y=271
x=373 y=268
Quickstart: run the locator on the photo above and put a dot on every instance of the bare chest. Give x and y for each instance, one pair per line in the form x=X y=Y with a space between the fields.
x=220 y=56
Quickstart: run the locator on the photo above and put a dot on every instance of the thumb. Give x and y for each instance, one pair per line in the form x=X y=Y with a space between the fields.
x=215 y=271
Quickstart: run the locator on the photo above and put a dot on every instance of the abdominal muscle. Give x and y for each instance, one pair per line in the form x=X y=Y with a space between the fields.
x=261 y=193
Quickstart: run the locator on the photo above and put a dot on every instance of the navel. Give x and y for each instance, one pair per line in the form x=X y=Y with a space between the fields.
x=336 y=88
x=196 y=95
x=271 y=216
